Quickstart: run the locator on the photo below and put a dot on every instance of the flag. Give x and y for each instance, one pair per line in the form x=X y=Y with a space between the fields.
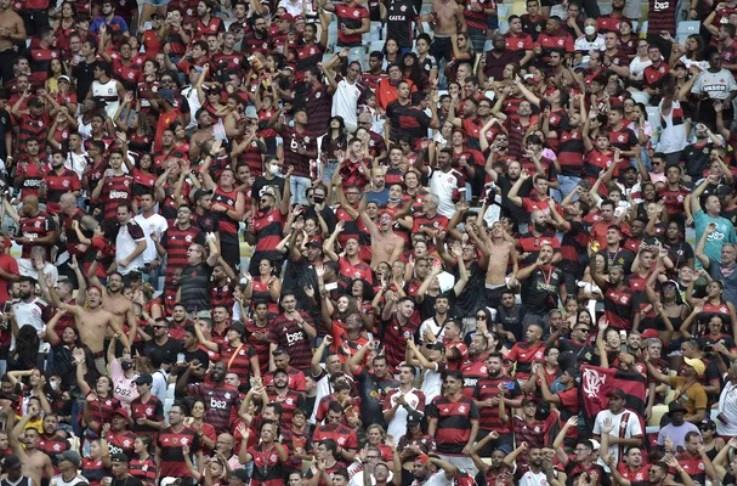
x=596 y=383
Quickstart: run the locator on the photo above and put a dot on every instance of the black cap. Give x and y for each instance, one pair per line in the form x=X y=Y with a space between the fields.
x=144 y=379
x=414 y=418
x=11 y=462
x=676 y=406
x=119 y=457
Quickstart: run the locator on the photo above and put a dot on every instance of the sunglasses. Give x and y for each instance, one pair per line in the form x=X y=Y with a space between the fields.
x=481 y=317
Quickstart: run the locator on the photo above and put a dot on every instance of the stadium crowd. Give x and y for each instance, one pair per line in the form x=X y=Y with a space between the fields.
x=318 y=243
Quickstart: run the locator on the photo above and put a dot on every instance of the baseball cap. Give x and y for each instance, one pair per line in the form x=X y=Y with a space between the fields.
x=11 y=462
x=122 y=411
x=696 y=364
x=64 y=77
x=119 y=457
x=676 y=406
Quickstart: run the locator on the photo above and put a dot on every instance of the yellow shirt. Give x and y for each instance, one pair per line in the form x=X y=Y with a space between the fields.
x=692 y=396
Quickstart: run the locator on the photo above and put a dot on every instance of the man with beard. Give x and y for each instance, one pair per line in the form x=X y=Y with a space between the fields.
x=474 y=368
x=498 y=57
x=489 y=391
x=433 y=470
x=113 y=299
x=24 y=441
x=657 y=474
x=280 y=393
x=35 y=228
x=374 y=383
x=221 y=399
x=537 y=473
x=93 y=321
x=619 y=304
x=205 y=133
x=542 y=284
x=58 y=181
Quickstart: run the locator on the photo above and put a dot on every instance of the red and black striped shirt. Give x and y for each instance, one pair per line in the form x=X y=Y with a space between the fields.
x=454 y=422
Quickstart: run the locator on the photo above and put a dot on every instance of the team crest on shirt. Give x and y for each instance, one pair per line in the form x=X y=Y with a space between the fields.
x=356 y=13
x=65 y=183
x=188 y=238
x=403 y=8
x=317 y=95
x=462 y=409
x=227 y=394
x=183 y=441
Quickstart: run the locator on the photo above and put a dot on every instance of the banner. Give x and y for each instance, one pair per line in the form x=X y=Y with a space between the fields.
x=596 y=383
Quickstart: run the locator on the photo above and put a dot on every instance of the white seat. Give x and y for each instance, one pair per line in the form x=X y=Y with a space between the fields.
x=376 y=46
x=688 y=27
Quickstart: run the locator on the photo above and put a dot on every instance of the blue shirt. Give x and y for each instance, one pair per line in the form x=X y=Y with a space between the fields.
x=724 y=233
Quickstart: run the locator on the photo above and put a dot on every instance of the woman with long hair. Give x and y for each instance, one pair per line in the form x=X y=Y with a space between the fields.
x=142 y=465
x=196 y=421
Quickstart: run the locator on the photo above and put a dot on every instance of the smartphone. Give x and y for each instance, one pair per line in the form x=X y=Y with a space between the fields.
x=180 y=358
x=331 y=286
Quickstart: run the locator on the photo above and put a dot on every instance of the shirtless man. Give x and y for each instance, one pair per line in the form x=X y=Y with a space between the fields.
x=115 y=302
x=202 y=135
x=500 y=251
x=12 y=31
x=93 y=324
x=386 y=245
x=447 y=21
x=24 y=440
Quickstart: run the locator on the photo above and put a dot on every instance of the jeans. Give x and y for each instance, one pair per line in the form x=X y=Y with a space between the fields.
x=299 y=186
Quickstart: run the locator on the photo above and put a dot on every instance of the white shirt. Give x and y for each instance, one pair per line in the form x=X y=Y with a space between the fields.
x=534 y=479
x=125 y=243
x=728 y=408
x=30 y=312
x=717 y=86
x=626 y=426
x=397 y=427
x=431 y=325
x=193 y=100
x=26 y=269
x=153 y=225
x=672 y=136
x=59 y=481
x=443 y=184
x=345 y=102
x=637 y=67
x=77 y=163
